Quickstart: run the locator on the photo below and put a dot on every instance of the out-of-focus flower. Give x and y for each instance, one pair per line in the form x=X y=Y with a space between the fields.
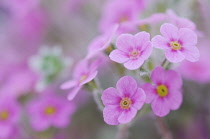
x=50 y=110
x=198 y=71
x=22 y=80
x=122 y=104
x=125 y=13
x=179 y=44
x=180 y=22
x=83 y=73
x=49 y=63
x=132 y=50
x=101 y=42
x=9 y=116
x=165 y=92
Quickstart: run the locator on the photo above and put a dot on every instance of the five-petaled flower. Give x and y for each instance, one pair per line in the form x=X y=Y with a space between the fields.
x=179 y=44
x=83 y=73
x=50 y=110
x=122 y=104
x=132 y=50
x=165 y=92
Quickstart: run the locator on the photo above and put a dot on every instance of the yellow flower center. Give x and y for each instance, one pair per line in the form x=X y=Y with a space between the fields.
x=125 y=103
x=50 y=110
x=134 y=54
x=175 y=45
x=83 y=78
x=4 y=115
x=144 y=27
x=162 y=90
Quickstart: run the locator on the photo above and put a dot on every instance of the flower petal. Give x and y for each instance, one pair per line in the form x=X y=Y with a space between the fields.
x=141 y=38
x=187 y=37
x=111 y=114
x=173 y=79
x=150 y=92
x=146 y=50
x=160 y=107
x=74 y=92
x=191 y=53
x=160 y=42
x=90 y=77
x=119 y=56
x=125 y=42
x=111 y=96
x=138 y=99
x=174 y=99
x=157 y=76
x=69 y=84
x=134 y=64
x=126 y=86
x=174 y=56
x=127 y=115
x=169 y=31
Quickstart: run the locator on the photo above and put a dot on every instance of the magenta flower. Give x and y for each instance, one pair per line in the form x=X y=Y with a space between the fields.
x=50 y=110
x=122 y=104
x=82 y=74
x=132 y=50
x=101 y=42
x=9 y=116
x=179 y=44
x=165 y=92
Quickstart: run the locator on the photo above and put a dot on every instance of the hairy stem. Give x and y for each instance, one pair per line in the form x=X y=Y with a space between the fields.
x=163 y=129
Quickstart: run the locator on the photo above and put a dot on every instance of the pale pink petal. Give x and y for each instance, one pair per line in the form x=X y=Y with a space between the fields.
x=73 y=93
x=80 y=69
x=127 y=115
x=174 y=99
x=5 y=131
x=191 y=53
x=174 y=56
x=173 y=79
x=146 y=50
x=111 y=96
x=141 y=38
x=160 y=42
x=126 y=86
x=125 y=42
x=187 y=37
x=111 y=114
x=69 y=84
x=119 y=56
x=157 y=76
x=138 y=99
x=90 y=77
x=160 y=107
x=134 y=64
x=169 y=31
x=150 y=92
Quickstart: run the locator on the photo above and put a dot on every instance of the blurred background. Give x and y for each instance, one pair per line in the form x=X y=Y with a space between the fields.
x=42 y=40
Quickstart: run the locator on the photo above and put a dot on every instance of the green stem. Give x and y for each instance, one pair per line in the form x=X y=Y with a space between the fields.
x=122 y=132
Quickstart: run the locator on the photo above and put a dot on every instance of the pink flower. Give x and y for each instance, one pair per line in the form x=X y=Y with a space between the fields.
x=165 y=92
x=179 y=44
x=82 y=74
x=101 y=42
x=50 y=110
x=180 y=22
x=9 y=116
x=125 y=13
x=122 y=104
x=132 y=50
x=198 y=71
